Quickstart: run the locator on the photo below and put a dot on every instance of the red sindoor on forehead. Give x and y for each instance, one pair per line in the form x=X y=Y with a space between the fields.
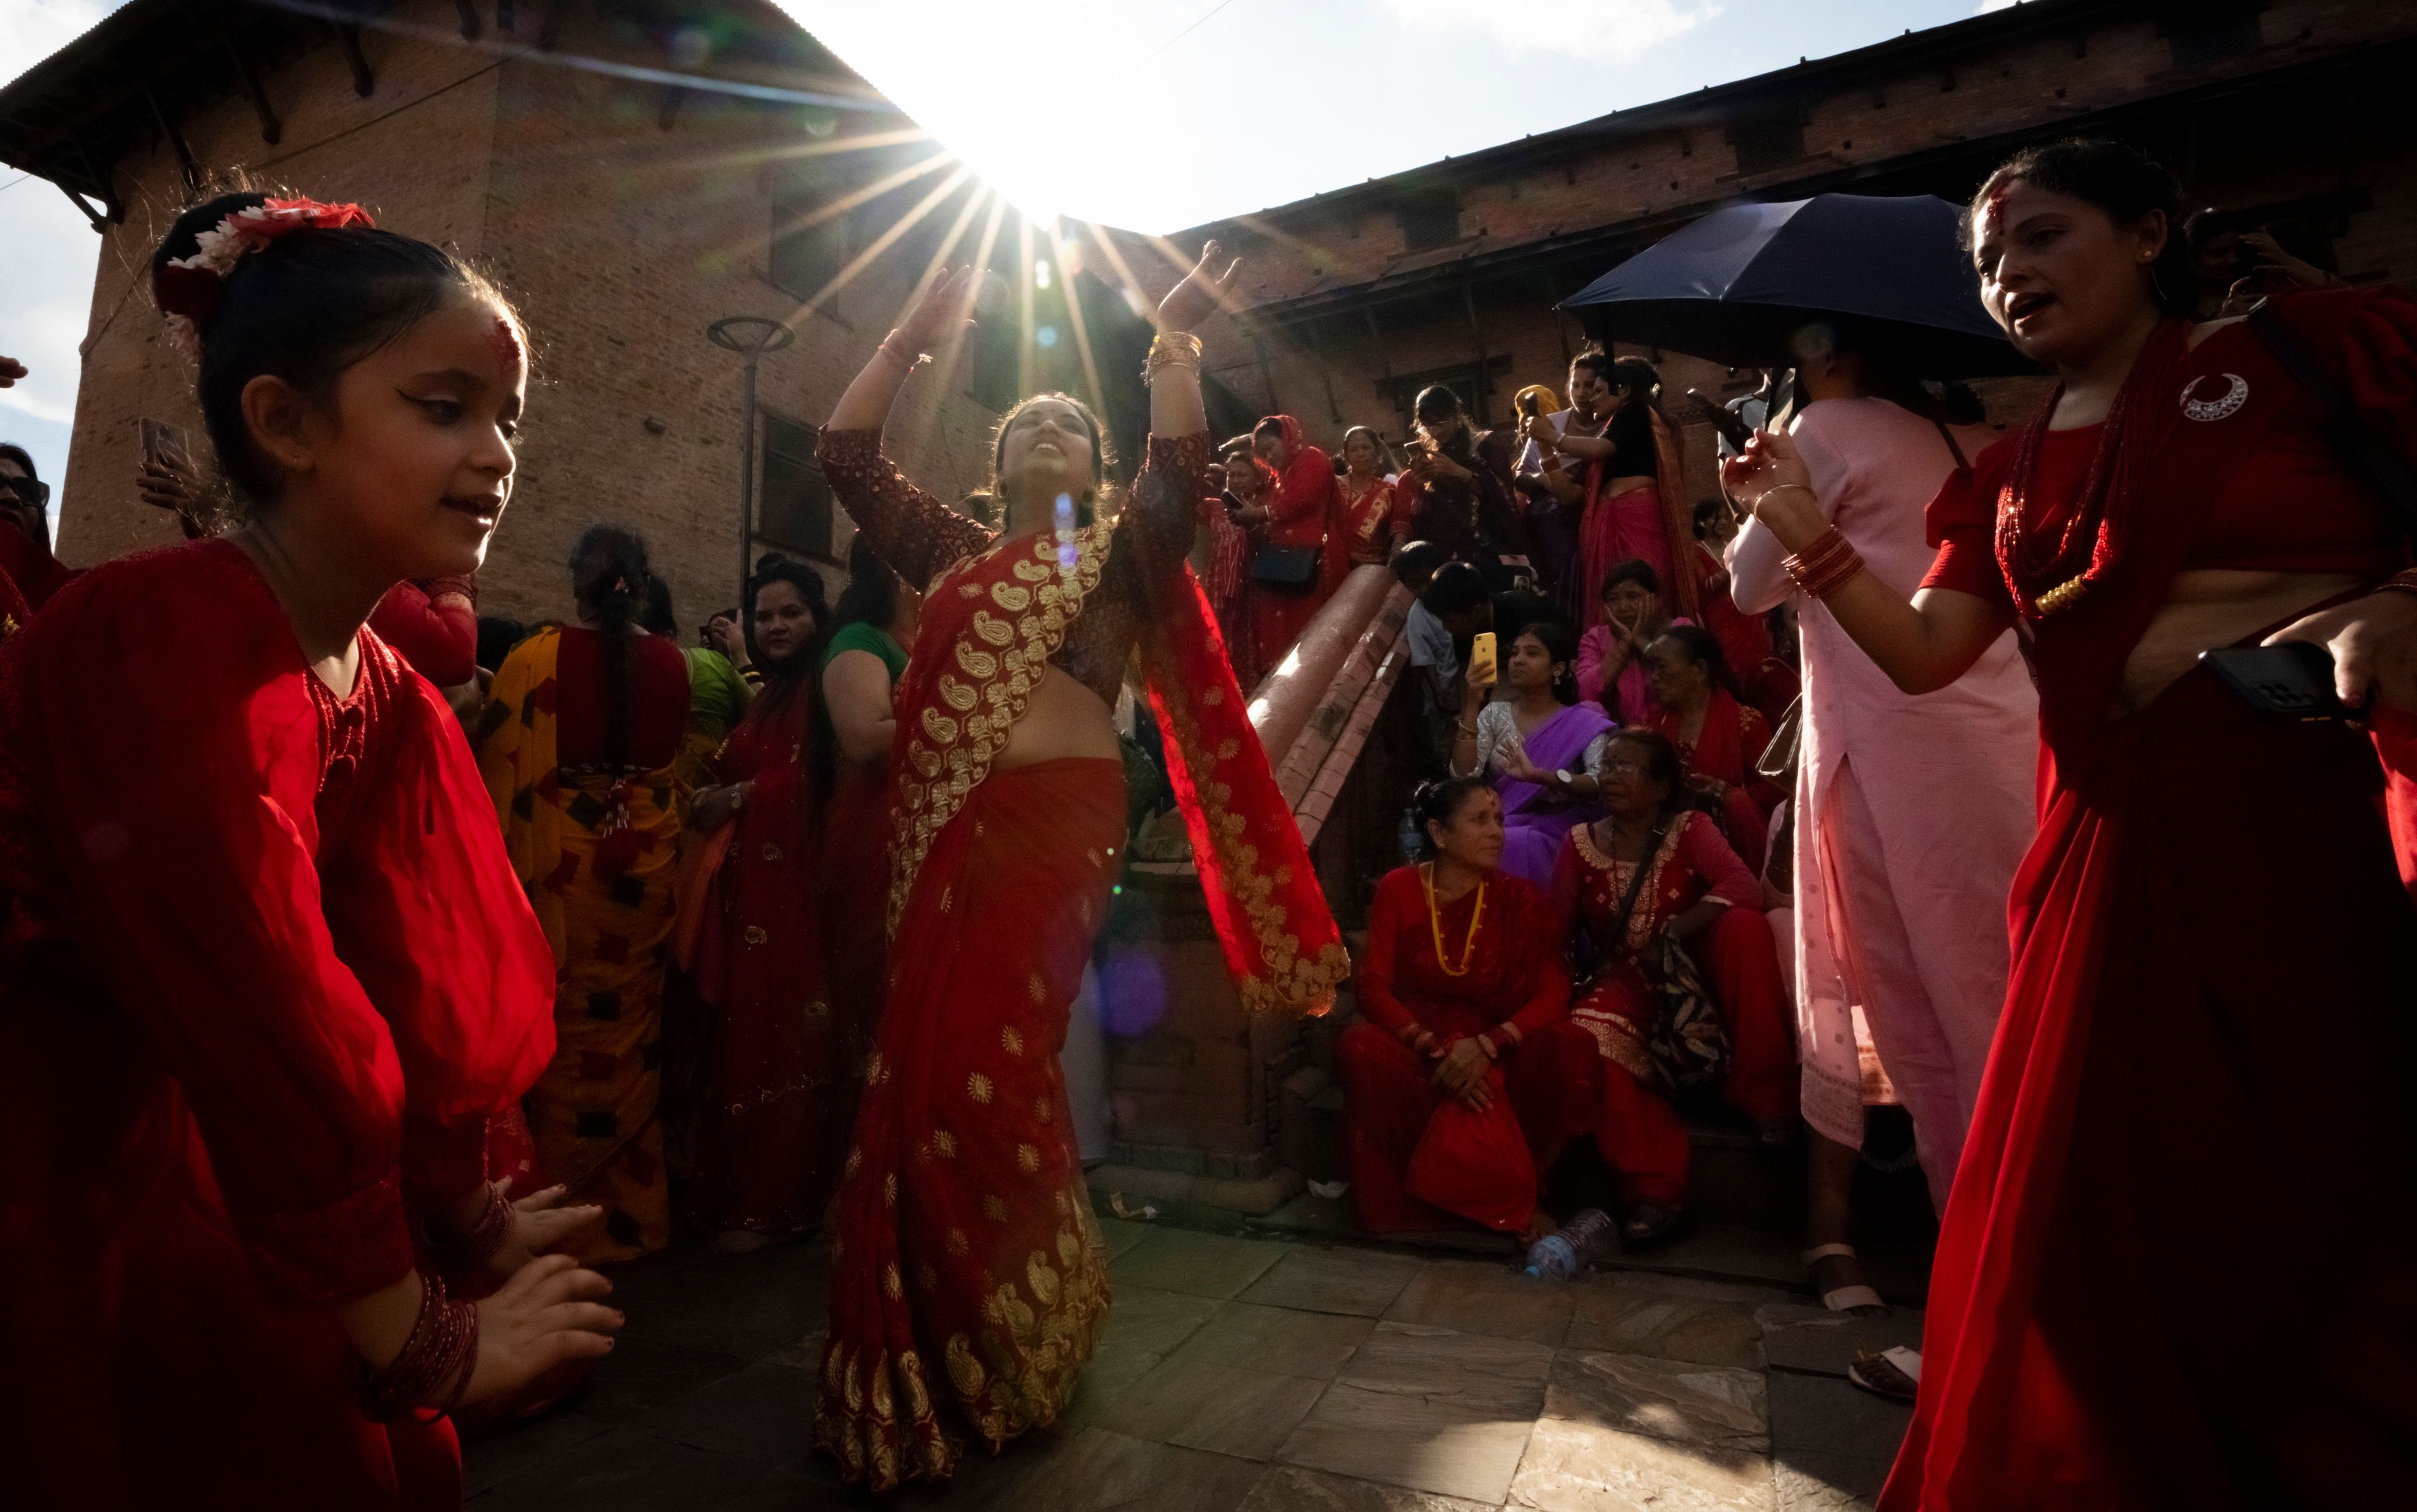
x=506 y=342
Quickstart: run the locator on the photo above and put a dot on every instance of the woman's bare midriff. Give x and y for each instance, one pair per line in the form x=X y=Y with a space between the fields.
x=1626 y=485
x=1061 y=720
x=2209 y=608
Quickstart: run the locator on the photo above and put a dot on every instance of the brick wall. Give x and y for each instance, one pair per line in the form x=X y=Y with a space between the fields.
x=619 y=238
x=1897 y=126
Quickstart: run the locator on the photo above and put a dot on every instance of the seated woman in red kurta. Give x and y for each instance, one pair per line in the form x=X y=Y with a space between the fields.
x=1719 y=739
x=266 y=976
x=1692 y=892
x=2159 y=1133
x=1466 y=1079
x=784 y=1069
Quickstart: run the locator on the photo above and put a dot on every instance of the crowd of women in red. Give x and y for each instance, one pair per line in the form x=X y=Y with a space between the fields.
x=336 y=1049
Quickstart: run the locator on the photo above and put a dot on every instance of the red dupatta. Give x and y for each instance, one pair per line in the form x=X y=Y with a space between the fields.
x=1685 y=587
x=1001 y=617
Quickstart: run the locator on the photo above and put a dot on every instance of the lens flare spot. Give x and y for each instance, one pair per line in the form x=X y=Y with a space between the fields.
x=1041 y=274
x=1046 y=336
x=1133 y=993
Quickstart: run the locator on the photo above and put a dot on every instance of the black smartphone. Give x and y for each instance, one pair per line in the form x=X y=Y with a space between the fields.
x=1732 y=427
x=2293 y=680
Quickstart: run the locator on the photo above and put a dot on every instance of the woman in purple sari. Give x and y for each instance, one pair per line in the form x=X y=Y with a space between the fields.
x=1542 y=748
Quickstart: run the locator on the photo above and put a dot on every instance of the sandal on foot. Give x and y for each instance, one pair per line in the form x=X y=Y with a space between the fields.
x=1859 y=1300
x=1894 y=1373
x=1649 y=1223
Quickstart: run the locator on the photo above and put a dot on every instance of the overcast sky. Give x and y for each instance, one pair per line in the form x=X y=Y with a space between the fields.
x=1152 y=115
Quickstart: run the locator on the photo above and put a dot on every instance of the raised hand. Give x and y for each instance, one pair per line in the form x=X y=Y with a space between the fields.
x=945 y=308
x=1770 y=461
x=1201 y=292
x=10 y=371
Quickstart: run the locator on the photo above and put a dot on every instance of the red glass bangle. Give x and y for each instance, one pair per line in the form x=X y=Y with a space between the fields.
x=463 y=1251
x=1825 y=566
x=443 y=1348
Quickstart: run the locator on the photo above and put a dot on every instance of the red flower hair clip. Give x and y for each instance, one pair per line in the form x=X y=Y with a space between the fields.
x=187 y=289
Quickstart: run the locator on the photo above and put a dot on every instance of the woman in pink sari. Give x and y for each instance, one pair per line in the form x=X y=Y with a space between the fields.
x=1542 y=746
x=1635 y=492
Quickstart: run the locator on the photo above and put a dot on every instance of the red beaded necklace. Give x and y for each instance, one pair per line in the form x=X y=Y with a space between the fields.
x=2045 y=577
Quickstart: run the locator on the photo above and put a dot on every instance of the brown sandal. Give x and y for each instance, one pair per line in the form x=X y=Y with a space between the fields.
x=1894 y=1373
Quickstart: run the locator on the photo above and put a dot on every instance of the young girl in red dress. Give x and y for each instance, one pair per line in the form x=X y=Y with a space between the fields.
x=265 y=977
x=2197 y=1100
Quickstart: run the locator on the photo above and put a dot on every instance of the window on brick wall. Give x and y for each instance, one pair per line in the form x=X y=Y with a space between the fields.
x=2209 y=31
x=806 y=257
x=1429 y=218
x=1770 y=139
x=793 y=511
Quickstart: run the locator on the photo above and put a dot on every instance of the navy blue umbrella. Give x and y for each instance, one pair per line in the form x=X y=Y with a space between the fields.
x=1732 y=286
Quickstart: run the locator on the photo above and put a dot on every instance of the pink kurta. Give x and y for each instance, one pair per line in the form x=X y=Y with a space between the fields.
x=1943 y=787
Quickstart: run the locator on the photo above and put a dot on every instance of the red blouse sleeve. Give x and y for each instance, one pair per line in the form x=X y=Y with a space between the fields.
x=423 y=907
x=436 y=632
x=1374 y=985
x=2367 y=339
x=1304 y=499
x=1727 y=878
x=914 y=532
x=1536 y=937
x=177 y=760
x=1961 y=523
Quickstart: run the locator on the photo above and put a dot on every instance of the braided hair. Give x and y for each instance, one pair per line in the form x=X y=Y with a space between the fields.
x=610 y=578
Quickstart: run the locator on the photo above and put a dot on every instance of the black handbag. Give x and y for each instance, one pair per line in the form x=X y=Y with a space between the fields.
x=1294 y=569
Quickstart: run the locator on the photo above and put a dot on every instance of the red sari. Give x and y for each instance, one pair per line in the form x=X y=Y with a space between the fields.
x=1420 y=1161
x=784 y=1069
x=1368 y=519
x=965 y=1232
x=1304 y=509
x=1731 y=741
x=433 y=626
x=2208 y=1015
x=265 y=977
x=1641 y=1135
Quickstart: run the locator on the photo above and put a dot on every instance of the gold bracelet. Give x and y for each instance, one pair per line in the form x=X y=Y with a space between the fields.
x=1780 y=487
x=1171 y=350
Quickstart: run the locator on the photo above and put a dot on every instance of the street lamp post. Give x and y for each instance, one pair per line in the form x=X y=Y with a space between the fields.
x=750 y=337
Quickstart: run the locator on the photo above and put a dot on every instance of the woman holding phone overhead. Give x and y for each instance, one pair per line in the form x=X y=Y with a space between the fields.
x=2202 y=870
x=968 y=1282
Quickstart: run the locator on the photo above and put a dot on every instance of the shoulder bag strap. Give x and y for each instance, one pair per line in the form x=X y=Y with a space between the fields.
x=2383 y=466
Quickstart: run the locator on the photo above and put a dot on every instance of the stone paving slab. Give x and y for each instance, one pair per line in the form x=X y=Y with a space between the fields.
x=1578 y=1467
x=1661 y=1398
x=1829 y=1414
x=1202 y=1265
x=1246 y=1375
x=1798 y=1337
x=1312 y=1279
x=1670 y=1319
x=1473 y=1298
x=1292 y=1488
x=1812 y=1482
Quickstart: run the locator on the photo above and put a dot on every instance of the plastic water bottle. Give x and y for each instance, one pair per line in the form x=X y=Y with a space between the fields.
x=1552 y=1257
x=1573 y=1247
x=1412 y=838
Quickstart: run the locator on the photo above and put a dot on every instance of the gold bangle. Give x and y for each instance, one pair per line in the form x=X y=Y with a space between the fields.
x=1780 y=488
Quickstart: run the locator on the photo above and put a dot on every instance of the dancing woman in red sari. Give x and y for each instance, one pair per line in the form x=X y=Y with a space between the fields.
x=2205 y=878
x=969 y=1284
x=266 y=975
x=781 y=1078
x=1467 y=1078
x=1696 y=892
